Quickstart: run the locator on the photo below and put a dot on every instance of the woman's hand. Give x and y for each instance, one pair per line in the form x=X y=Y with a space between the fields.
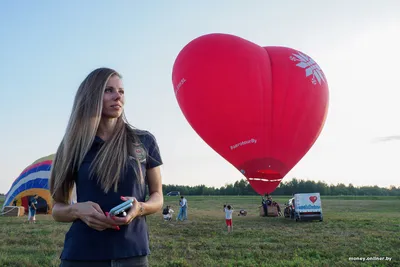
x=151 y=206
x=91 y=214
x=132 y=213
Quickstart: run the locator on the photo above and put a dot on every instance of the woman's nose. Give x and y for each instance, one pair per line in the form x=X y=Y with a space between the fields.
x=117 y=96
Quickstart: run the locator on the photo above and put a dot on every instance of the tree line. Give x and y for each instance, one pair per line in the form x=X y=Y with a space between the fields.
x=243 y=187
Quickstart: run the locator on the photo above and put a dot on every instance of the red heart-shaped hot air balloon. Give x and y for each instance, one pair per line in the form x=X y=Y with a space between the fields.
x=260 y=108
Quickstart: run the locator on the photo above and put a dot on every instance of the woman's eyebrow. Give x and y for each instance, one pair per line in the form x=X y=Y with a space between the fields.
x=109 y=86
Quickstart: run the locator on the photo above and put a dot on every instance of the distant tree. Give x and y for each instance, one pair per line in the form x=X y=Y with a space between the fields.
x=243 y=187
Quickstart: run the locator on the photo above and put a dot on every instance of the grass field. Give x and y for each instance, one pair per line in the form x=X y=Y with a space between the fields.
x=352 y=227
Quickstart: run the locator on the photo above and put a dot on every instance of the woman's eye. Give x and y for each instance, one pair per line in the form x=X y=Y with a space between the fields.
x=108 y=90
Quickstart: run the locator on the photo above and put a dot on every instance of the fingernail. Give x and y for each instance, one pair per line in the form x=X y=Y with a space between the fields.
x=116 y=228
x=106 y=214
x=113 y=217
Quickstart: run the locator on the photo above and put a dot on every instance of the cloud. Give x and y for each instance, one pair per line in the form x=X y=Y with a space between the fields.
x=386 y=138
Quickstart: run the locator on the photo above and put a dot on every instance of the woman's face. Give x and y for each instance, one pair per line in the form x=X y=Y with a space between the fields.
x=113 y=100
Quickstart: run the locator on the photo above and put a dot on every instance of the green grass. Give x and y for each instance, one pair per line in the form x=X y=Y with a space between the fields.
x=352 y=227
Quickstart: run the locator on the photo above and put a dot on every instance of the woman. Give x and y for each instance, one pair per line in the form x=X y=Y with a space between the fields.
x=107 y=162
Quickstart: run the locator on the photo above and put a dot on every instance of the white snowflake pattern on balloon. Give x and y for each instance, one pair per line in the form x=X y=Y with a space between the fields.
x=310 y=66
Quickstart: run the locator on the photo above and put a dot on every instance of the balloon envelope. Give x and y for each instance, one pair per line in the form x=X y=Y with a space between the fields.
x=260 y=108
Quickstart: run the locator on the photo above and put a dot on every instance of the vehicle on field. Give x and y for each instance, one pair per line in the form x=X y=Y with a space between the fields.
x=174 y=193
x=304 y=207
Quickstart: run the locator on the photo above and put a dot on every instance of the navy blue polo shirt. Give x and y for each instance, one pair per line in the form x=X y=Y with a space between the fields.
x=85 y=243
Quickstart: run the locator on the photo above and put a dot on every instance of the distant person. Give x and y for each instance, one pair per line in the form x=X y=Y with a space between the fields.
x=109 y=161
x=182 y=215
x=228 y=217
x=264 y=204
x=15 y=202
x=276 y=204
x=167 y=213
x=185 y=208
x=32 y=209
x=293 y=208
x=269 y=201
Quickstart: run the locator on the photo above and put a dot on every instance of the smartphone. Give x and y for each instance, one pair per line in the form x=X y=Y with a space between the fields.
x=121 y=207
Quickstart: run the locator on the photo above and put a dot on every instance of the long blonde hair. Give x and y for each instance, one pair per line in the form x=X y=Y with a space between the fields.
x=84 y=121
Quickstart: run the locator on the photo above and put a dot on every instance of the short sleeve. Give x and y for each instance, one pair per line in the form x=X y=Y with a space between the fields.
x=154 y=155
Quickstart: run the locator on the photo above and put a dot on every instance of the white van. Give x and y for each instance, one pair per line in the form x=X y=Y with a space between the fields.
x=307 y=206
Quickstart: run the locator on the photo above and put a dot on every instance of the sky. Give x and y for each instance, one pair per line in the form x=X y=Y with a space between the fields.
x=48 y=47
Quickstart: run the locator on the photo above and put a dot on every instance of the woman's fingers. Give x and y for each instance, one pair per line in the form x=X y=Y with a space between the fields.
x=97 y=207
x=122 y=220
x=131 y=214
x=95 y=218
x=99 y=217
x=96 y=226
x=101 y=223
